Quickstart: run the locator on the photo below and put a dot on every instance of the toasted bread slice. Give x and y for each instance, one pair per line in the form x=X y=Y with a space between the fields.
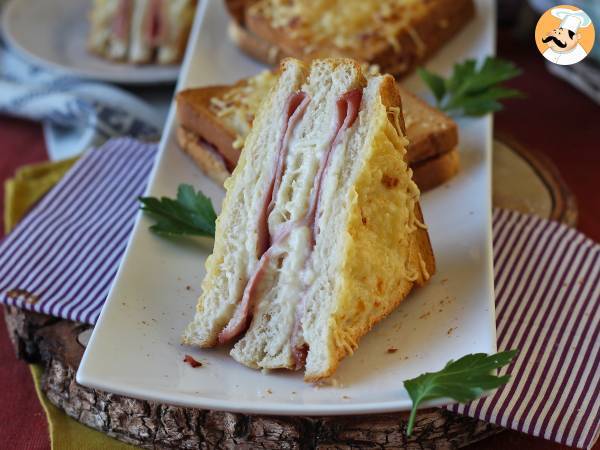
x=220 y=117
x=396 y=36
x=320 y=234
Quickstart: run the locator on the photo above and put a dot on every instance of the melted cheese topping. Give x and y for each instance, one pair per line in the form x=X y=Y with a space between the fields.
x=239 y=104
x=347 y=24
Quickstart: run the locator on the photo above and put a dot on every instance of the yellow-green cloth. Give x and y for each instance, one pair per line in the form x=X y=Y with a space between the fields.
x=23 y=191
x=28 y=185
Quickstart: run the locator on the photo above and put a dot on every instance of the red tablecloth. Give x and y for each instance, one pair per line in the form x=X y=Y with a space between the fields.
x=22 y=420
x=555 y=120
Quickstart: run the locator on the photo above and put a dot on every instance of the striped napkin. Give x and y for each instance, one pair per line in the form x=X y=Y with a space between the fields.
x=61 y=259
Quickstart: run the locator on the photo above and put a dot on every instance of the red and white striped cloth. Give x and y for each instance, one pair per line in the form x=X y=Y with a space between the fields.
x=68 y=248
x=547 y=279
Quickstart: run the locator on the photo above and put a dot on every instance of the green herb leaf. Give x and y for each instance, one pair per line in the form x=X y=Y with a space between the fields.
x=462 y=380
x=192 y=213
x=435 y=83
x=473 y=91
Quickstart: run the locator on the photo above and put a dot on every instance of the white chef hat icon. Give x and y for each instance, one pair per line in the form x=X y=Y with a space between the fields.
x=570 y=19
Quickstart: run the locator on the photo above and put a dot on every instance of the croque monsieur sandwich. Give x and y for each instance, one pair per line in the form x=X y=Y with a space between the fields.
x=215 y=120
x=140 y=31
x=397 y=35
x=320 y=234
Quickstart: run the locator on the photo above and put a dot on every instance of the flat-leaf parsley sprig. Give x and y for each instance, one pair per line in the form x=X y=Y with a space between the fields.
x=191 y=213
x=472 y=90
x=462 y=380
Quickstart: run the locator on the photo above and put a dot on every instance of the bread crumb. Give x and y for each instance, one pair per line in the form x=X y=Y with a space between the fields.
x=450 y=330
x=345 y=397
x=327 y=382
x=425 y=315
x=269 y=391
x=191 y=361
x=392 y=350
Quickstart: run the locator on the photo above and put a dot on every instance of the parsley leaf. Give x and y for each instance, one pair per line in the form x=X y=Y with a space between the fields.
x=462 y=380
x=472 y=91
x=192 y=213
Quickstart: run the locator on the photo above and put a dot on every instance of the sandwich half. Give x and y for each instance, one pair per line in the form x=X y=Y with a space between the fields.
x=320 y=234
x=214 y=121
x=141 y=31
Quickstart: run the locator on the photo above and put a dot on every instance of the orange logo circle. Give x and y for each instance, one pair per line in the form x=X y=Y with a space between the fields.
x=564 y=35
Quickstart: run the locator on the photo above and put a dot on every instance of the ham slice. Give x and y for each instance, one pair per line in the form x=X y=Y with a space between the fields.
x=348 y=106
x=296 y=105
x=268 y=245
x=122 y=20
x=156 y=23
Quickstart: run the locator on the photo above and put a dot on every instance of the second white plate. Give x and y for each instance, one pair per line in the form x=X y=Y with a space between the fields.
x=135 y=347
x=53 y=34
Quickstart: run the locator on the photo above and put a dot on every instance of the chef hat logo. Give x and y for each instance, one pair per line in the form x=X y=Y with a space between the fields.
x=565 y=35
x=571 y=20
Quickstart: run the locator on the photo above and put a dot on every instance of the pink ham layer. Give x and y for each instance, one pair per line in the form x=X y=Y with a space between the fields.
x=156 y=23
x=122 y=20
x=296 y=105
x=348 y=106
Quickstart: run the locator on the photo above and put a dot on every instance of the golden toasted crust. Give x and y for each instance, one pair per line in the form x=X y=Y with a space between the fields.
x=255 y=46
x=204 y=155
x=420 y=39
x=195 y=115
x=436 y=170
x=429 y=131
x=372 y=283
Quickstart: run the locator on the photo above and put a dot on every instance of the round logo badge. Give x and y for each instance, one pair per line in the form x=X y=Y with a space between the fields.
x=564 y=35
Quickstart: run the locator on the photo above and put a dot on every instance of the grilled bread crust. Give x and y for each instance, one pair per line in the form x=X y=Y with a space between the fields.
x=253 y=32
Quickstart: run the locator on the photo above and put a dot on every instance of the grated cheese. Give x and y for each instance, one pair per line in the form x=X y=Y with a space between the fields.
x=239 y=104
x=347 y=24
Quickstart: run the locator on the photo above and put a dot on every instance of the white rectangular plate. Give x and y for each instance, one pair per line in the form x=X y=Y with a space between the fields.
x=135 y=348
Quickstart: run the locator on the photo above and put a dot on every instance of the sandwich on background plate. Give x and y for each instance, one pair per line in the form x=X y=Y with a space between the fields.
x=396 y=35
x=215 y=120
x=140 y=31
x=320 y=234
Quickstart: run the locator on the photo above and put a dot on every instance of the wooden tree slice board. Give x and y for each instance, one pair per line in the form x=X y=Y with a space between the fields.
x=521 y=181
